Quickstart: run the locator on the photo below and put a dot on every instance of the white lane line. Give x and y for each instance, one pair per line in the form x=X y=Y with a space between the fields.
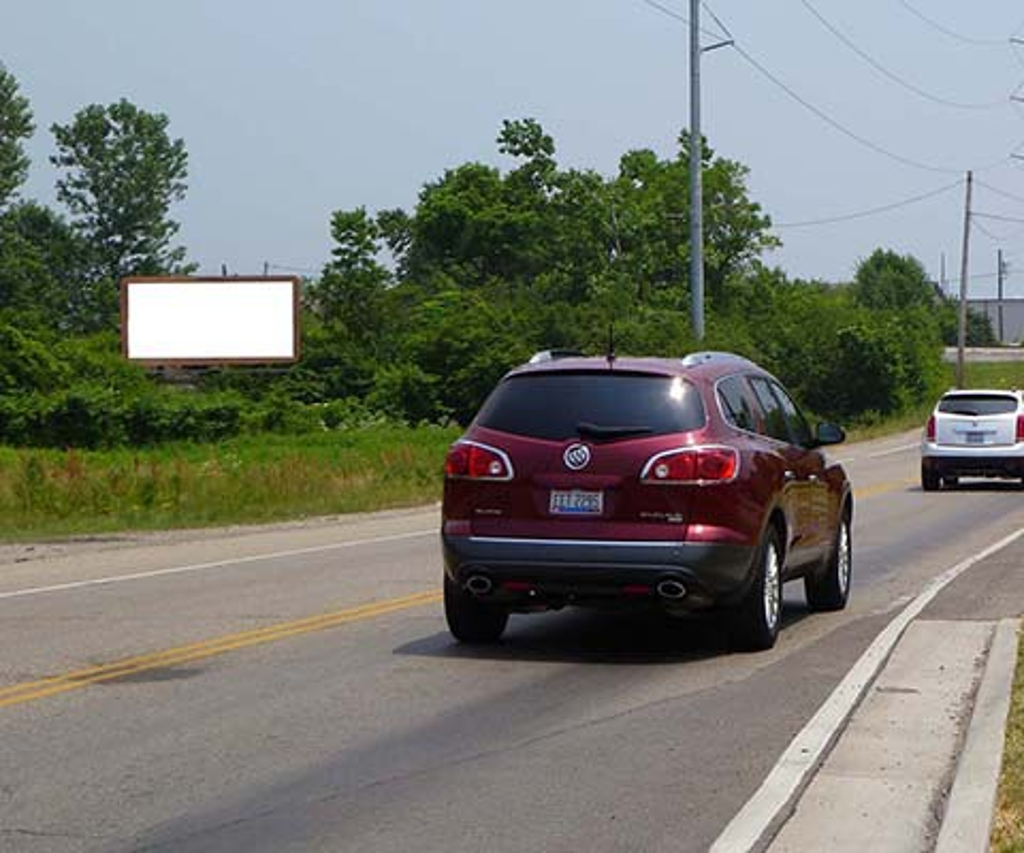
x=763 y=815
x=903 y=448
x=217 y=564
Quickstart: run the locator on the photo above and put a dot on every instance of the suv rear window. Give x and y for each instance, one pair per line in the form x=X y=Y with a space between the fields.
x=975 y=405
x=596 y=406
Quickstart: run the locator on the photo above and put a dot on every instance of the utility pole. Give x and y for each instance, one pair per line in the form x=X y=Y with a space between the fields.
x=942 y=274
x=964 y=266
x=696 y=180
x=1001 y=267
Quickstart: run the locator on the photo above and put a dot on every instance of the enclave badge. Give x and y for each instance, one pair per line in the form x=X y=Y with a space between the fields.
x=576 y=457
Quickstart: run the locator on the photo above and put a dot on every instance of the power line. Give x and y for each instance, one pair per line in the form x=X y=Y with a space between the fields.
x=1000 y=192
x=986 y=232
x=890 y=75
x=997 y=217
x=821 y=114
x=863 y=214
x=665 y=10
x=960 y=37
x=285 y=268
x=717 y=20
x=1013 y=234
x=825 y=117
x=989 y=275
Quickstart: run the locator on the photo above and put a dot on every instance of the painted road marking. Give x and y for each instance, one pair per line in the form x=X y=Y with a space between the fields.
x=892 y=451
x=217 y=564
x=903 y=448
x=31 y=691
x=882 y=489
x=765 y=813
x=860 y=494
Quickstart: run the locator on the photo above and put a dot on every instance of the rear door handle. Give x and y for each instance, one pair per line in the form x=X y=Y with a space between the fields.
x=789 y=476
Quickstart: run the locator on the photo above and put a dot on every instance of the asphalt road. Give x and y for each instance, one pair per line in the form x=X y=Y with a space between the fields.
x=295 y=689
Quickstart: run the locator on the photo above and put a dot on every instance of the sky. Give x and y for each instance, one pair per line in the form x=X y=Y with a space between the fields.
x=293 y=110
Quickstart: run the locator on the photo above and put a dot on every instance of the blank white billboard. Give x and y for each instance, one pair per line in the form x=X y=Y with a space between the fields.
x=210 y=321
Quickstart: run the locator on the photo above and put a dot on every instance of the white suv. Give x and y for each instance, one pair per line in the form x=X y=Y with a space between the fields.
x=973 y=434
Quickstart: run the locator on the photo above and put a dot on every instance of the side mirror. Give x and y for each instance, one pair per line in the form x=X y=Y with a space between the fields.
x=829 y=434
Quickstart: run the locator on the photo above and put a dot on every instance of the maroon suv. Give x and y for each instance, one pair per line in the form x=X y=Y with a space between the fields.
x=678 y=485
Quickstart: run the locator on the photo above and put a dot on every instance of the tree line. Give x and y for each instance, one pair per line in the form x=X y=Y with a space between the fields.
x=417 y=313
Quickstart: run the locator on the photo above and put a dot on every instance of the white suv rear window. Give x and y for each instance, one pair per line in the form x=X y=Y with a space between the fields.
x=977 y=405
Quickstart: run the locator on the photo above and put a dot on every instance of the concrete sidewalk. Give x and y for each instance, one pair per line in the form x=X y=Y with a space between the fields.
x=916 y=768
x=886 y=784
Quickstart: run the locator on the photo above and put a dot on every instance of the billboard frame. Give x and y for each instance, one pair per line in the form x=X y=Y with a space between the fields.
x=173 y=363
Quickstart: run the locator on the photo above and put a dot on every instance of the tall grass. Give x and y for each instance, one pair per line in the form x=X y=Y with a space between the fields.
x=1005 y=375
x=254 y=479
x=270 y=477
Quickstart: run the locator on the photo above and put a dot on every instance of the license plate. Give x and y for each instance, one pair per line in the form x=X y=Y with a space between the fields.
x=576 y=502
x=976 y=438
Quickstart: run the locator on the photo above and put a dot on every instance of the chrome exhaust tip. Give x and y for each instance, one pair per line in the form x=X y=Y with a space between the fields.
x=479 y=585
x=672 y=590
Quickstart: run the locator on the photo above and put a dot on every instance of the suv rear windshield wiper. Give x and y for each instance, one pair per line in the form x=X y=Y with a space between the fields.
x=606 y=433
x=970 y=413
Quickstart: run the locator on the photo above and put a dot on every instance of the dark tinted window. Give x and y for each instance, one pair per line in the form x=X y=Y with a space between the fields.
x=775 y=423
x=608 y=405
x=740 y=410
x=797 y=425
x=974 y=405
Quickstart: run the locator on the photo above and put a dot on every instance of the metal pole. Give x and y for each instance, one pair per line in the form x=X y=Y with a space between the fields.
x=964 y=266
x=696 y=180
x=1002 y=278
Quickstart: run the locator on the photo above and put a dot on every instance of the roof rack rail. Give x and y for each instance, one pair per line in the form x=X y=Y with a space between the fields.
x=553 y=355
x=709 y=356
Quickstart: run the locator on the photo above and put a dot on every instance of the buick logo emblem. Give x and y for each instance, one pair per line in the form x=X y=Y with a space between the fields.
x=576 y=457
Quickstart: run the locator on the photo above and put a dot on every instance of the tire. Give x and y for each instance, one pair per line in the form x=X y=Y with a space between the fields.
x=756 y=621
x=830 y=589
x=469 y=619
x=930 y=480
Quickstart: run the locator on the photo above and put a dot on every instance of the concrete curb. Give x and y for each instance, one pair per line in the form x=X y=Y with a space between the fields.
x=967 y=823
x=763 y=815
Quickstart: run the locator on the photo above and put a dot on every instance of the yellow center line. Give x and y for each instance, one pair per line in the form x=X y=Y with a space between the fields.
x=882 y=489
x=31 y=691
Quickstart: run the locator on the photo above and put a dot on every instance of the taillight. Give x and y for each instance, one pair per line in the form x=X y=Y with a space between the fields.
x=1020 y=427
x=472 y=461
x=929 y=430
x=701 y=465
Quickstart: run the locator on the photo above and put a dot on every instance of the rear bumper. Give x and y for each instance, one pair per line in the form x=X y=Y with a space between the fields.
x=961 y=461
x=581 y=569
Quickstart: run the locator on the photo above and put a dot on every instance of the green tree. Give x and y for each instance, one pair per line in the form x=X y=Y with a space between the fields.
x=350 y=290
x=28 y=290
x=44 y=266
x=27 y=364
x=122 y=173
x=527 y=141
x=15 y=127
x=887 y=280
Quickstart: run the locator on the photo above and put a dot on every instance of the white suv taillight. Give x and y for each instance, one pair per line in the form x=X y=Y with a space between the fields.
x=1020 y=428
x=470 y=460
x=696 y=465
x=929 y=430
